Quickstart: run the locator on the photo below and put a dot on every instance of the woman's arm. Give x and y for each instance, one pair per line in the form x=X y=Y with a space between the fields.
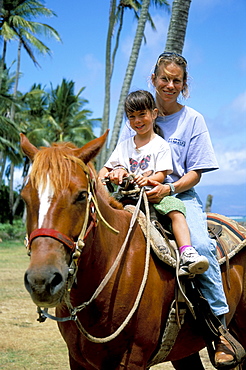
x=186 y=182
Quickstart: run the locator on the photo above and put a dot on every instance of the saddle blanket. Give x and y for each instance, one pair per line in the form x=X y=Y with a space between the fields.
x=230 y=237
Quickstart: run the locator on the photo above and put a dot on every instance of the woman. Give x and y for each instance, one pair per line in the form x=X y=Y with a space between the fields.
x=148 y=157
x=192 y=153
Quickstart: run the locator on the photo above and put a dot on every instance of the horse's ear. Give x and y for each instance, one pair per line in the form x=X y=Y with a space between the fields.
x=91 y=149
x=28 y=149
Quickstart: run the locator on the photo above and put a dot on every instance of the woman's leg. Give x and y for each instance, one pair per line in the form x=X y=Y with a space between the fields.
x=210 y=281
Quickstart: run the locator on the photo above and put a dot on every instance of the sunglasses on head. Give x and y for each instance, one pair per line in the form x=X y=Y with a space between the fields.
x=167 y=54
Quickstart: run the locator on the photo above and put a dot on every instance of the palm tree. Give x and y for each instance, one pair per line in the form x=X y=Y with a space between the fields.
x=16 y=23
x=9 y=130
x=116 y=15
x=177 y=26
x=108 y=76
x=131 y=68
x=67 y=117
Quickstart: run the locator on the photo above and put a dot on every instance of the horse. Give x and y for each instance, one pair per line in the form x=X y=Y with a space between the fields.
x=76 y=232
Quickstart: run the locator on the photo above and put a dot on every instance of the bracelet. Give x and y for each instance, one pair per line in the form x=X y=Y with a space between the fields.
x=119 y=167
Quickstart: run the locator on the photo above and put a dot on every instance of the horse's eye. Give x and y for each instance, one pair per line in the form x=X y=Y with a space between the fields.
x=81 y=196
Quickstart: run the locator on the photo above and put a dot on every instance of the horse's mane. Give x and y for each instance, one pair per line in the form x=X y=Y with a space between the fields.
x=54 y=160
x=59 y=162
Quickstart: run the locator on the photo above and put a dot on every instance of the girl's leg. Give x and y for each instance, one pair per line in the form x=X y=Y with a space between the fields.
x=180 y=228
x=191 y=262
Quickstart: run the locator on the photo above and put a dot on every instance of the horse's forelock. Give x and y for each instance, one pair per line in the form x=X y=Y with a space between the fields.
x=58 y=162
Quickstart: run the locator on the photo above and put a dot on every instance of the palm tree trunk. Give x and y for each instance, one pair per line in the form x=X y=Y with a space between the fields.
x=12 y=116
x=3 y=160
x=177 y=26
x=129 y=73
x=108 y=74
x=2 y=61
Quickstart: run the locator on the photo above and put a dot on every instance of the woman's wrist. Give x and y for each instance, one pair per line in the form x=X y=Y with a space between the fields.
x=171 y=187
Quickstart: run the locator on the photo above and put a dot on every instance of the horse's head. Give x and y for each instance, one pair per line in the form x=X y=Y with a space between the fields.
x=56 y=197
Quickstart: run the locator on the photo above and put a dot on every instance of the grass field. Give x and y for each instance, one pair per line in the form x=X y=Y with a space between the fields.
x=25 y=343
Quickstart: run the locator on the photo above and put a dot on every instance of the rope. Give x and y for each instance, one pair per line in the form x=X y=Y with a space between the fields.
x=109 y=274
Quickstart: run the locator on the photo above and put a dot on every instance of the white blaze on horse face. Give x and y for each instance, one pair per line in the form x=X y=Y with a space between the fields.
x=45 y=196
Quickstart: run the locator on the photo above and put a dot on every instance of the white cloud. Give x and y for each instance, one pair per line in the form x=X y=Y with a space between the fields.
x=232 y=169
x=239 y=104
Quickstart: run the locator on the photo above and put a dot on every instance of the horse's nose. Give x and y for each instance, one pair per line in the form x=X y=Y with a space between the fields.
x=43 y=283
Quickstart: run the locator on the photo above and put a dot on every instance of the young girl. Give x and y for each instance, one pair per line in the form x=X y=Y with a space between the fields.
x=148 y=156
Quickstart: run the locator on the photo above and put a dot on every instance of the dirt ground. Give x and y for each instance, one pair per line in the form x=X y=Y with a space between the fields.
x=25 y=343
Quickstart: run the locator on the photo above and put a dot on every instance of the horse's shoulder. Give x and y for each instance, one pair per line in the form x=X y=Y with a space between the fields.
x=115 y=203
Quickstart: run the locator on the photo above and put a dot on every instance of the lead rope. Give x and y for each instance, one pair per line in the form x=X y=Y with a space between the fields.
x=109 y=274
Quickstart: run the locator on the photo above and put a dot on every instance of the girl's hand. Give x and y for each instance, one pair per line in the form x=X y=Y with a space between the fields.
x=141 y=180
x=117 y=175
x=158 y=192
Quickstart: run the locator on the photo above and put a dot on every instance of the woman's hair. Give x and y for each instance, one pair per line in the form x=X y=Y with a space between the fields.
x=141 y=100
x=170 y=57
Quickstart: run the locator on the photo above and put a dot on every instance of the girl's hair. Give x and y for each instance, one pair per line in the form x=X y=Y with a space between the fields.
x=141 y=100
x=170 y=57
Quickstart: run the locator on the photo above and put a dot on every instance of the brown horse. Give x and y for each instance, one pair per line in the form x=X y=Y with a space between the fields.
x=72 y=226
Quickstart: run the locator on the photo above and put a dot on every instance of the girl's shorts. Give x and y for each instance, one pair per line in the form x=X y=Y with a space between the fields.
x=168 y=204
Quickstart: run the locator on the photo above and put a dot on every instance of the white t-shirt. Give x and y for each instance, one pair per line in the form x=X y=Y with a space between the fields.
x=146 y=160
x=189 y=140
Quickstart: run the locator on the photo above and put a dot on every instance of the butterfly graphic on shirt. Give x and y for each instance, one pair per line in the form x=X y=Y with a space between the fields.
x=143 y=164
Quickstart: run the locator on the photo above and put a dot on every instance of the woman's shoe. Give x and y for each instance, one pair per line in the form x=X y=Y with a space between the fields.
x=224 y=354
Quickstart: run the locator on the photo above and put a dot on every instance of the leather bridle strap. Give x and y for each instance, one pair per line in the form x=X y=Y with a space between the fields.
x=52 y=234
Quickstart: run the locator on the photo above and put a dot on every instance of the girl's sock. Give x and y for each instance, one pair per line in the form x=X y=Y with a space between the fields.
x=182 y=249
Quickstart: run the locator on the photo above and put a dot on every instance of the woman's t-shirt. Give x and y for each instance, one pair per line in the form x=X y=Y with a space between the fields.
x=189 y=140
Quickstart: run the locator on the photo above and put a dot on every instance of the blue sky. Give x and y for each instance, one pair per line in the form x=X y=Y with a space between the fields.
x=215 y=47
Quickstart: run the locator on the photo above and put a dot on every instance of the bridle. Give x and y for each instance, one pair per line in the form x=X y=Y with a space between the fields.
x=92 y=211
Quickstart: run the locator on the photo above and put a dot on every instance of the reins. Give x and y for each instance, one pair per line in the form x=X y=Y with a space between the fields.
x=108 y=276
x=78 y=246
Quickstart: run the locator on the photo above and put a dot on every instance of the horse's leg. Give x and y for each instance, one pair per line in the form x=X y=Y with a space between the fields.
x=74 y=365
x=190 y=362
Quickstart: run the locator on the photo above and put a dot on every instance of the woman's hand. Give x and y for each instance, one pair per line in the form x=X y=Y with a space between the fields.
x=158 y=192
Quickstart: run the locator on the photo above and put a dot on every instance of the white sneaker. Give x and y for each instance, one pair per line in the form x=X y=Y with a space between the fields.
x=192 y=263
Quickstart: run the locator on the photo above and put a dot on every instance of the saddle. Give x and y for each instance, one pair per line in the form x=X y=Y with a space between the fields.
x=230 y=239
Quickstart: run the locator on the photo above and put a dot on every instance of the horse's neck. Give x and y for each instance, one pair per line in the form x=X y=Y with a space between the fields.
x=101 y=250
x=103 y=240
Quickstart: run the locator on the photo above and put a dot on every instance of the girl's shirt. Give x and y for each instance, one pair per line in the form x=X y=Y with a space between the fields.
x=146 y=160
x=189 y=140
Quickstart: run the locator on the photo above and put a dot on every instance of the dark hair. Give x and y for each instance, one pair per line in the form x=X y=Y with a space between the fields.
x=170 y=57
x=141 y=100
